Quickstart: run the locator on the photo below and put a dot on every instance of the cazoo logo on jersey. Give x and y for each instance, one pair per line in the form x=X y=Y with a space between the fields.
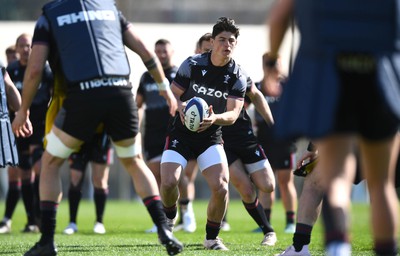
x=209 y=91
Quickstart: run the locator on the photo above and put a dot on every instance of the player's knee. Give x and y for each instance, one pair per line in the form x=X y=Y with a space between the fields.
x=247 y=193
x=169 y=182
x=129 y=151
x=56 y=147
x=268 y=187
x=222 y=189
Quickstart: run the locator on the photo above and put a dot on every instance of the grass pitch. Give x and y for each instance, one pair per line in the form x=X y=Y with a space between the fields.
x=126 y=222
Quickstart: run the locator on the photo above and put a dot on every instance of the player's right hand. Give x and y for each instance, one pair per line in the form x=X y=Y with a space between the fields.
x=171 y=101
x=22 y=126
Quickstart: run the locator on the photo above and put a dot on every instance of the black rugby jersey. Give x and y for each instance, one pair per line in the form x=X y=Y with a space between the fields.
x=157 y=109
x=242 y=129
x=197 y=76
x=42 y=97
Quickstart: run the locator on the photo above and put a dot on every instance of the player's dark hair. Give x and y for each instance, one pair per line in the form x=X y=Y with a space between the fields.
x=11 y=49
x=225 y=24
x=162 y=42
x=206 y=37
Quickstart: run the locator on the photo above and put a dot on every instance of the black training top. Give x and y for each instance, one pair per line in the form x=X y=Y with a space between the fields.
x=197 y=76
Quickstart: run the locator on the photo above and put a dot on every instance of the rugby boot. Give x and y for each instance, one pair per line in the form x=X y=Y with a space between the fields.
x=30 y=229
x=167 y=239
x=48 y=249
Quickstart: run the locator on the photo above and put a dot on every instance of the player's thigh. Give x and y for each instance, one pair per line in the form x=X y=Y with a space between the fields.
x=264 y=180
x=238 y=176
x=284 y=177
x=191 y=170
x=217 y=176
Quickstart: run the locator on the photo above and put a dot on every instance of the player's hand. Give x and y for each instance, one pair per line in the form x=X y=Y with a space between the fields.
x=207 y=121
x=181 y=109
x=22 y=126
x=171 y=101
x=306 y=158
x=272 y=81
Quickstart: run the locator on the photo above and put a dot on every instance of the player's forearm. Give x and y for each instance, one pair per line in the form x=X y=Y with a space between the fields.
x=278 y=23
x=226 y=118
x=13 y=96
x=262 y=107
x=154 y=67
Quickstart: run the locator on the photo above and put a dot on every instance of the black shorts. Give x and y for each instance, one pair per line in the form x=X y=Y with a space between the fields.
x=280 y=156
x=37 y=117
x=188 y=147
x=362 y=108
x=97 y=150
x=83 y=111
x=152 y=152
x=153 y=145
x=248 y=151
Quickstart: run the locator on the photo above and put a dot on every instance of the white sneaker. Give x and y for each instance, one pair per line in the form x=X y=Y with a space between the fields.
x=153 y=229
x=338 y=249
x=269 y=239
x=99 y=228
x=290 y=251
x=290 y=228
x=189 y=222
x=225 y=226
x=215 y=244
x=5 y=227
x=71 y=229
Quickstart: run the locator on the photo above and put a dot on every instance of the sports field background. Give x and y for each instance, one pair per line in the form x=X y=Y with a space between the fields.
x=252 y=44
x=126 y=222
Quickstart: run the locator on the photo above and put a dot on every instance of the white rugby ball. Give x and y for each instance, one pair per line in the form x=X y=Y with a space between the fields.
x=195 y=111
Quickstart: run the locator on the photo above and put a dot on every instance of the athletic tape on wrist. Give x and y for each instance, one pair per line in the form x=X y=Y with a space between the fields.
x=164 y=85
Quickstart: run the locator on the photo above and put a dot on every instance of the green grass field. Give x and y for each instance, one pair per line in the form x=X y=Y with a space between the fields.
x=126 y=221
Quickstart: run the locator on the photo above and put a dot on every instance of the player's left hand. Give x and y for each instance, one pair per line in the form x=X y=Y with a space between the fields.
x=181 y=109
x=207 y=121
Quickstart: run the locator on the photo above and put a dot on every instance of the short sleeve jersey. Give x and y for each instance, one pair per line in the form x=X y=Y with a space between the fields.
x=197 y=76
x=157 y=109
x=242 y=128
x=42 y=97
